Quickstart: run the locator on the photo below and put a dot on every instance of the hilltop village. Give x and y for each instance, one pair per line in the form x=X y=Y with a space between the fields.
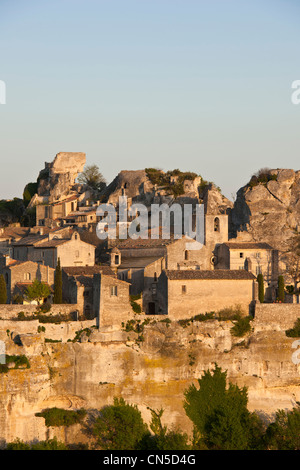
x=165 y=276
x=85 y=319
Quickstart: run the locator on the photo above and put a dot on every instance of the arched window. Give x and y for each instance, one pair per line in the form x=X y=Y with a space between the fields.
x=217 y=224
x=186 y=255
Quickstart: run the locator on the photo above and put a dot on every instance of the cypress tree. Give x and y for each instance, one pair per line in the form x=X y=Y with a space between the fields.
x=261 y=289
x=3 y=291
x=281 y=288
x=57 y=299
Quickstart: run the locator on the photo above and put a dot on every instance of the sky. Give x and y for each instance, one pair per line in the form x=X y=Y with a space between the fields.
x=199 y=85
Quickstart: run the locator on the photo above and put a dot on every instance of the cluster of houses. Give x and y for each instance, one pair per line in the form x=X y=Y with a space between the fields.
x=171 y=276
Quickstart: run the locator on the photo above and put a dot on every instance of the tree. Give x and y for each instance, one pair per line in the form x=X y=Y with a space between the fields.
x=119 y=426
x=261 y=288
x=284 y=432
x=57 y=298
x=281 y=294
x=37 y=291
x=219 y=414
x=163 y=439
x=291 y=258
x=3 y=290
x=92 y=177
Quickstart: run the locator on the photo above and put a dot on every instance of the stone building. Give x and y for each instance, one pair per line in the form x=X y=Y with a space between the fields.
x=185 y=293
x=18 y=274
x=111 y=300
x=78 y=286
x=65 y=245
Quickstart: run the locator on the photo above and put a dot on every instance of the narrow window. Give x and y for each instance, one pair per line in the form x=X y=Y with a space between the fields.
x=155 y=277
x=241 y=255
x=114 y=291
x=186 y=255
x=217 y=224
x=183 y=289
x=117 y=259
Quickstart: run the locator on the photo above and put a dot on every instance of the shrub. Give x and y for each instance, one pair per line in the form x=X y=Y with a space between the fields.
x=295 y=331
x=241 y=327
x=3 y=291
x=60 y=417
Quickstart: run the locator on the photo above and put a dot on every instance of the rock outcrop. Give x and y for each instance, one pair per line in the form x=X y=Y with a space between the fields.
x=268 y=211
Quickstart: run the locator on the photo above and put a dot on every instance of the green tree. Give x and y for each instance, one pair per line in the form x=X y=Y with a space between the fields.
x=57 y=298
x=284 y=432
x=261 y=288
x=119 y=426
x=37 y=291
x=3 y=290
x=92 y=177
x=162 y=438
x=281 y=294
x=219 y=414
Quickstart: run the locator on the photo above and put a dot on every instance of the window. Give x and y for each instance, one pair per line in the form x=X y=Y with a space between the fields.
x=27 y=276
x=241 y=267
x=117 y=259
x=186 y=255
x=77 y=254
x=183 y=289
x=114 y=291
x=241 y=255
x=155 y=277
x=257 y=255
x=217 y=224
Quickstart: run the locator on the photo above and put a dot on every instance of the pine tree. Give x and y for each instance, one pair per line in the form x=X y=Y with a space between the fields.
x=3 y=290
x=57 y=298
x=261 y=290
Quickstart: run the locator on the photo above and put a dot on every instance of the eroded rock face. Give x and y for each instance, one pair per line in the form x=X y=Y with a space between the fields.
x=151 y=373
x=269 y=212
x=58 y=177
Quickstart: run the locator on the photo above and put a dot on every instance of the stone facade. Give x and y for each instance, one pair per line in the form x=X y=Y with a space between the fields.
x=184 y=294
x=280 y=316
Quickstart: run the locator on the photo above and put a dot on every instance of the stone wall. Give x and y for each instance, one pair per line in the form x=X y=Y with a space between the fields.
x=10 y=311
x=278 y=315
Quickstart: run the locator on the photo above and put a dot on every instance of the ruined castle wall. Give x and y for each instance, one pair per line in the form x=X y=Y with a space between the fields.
x=10 y=311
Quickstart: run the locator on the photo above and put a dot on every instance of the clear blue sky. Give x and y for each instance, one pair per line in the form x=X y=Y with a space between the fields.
x=191 y=84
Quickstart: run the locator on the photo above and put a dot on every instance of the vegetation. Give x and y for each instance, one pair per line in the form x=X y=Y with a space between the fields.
x=220 y=416
x=38 y=291
x=3 y=290
x=264 y=175
x=162 y=179
x=16 y=362
x=135 y=306
x=284 y=433
x=281 y=292
x=119 y=427
x=295 y=331
x=242 y=326
x=29 y=191
x=57 y=298
x=92 y=177
x=261 y=288
x=50 y=444
x=60 y=417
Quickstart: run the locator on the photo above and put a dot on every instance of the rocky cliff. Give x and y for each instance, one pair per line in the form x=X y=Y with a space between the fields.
x=150 y=373
x=268 y=209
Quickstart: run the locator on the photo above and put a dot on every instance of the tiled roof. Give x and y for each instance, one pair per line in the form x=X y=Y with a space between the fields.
x=248 y=246
x=221 y=274
x=87 y=270
x=52 y=243
x=144 y=243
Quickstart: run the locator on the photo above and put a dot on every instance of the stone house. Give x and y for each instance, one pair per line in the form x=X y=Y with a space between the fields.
x=78 y=286
x=18 y=274
x=55 y=211
x=185 y=293
x=72 y=251
x=257 y=258
x=111 y=300
x=9 y=235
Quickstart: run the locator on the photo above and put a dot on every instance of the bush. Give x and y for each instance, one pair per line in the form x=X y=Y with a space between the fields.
x=294 y=332
x=60 y=417
x=241 y=327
